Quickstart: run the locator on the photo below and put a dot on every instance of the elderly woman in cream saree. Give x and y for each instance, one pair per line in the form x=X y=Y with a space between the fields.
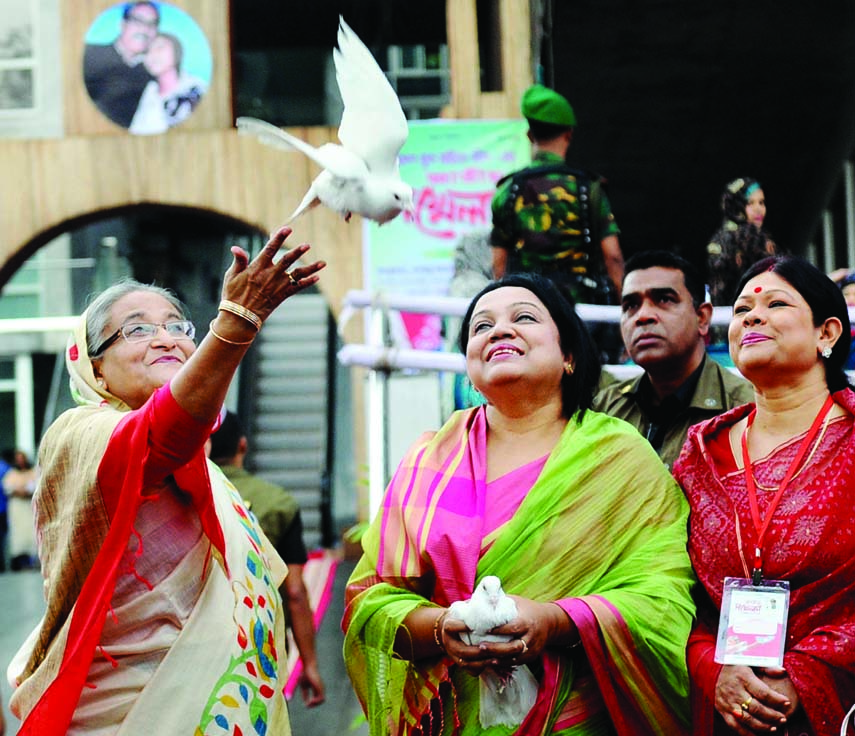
x=162 y=608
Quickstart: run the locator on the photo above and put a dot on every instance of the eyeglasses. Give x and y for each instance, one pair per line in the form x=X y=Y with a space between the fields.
x=180 y=329
x=148 y=22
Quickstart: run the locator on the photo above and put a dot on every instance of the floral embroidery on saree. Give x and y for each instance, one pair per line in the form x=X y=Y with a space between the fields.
x=251 y=678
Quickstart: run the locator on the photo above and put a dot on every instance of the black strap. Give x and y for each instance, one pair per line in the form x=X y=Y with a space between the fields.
x=590 y=193
x=547 y=169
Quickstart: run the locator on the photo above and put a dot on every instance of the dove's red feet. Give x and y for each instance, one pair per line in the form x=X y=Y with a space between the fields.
x=348 y=216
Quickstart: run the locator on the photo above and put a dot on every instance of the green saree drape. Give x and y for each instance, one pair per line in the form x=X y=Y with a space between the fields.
x=602 y=532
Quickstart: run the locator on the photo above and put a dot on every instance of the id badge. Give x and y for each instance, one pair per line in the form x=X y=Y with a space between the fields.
x=753 y=625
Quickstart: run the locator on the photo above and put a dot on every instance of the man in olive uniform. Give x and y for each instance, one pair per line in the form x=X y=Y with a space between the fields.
x=552 y=219
x=665 y=320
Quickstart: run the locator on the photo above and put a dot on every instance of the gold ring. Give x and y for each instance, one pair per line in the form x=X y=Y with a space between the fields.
x=291 y=278
x=745 y=704
x=525 y=647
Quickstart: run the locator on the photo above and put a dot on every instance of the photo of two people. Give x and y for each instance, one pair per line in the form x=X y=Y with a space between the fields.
x=146 y=65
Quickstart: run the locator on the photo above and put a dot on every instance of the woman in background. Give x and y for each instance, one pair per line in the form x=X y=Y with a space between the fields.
x=741 y=240
x=19 y=484
x=173 y=94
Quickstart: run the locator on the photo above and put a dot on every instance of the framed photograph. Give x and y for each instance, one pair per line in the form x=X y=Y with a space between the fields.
x=146 y=66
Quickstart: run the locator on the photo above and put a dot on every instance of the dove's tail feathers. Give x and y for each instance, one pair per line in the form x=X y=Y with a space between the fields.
x=310 y=201
x=506 y=700
x=270 y=134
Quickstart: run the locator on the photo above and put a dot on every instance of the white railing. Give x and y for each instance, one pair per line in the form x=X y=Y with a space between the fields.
x=382 y=359
x=33 y=325
x=21 y=384
x=377 y=355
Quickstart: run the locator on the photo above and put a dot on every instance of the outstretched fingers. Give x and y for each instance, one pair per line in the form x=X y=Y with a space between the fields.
x=305 y=276
x=240 y=262
x=275 y=243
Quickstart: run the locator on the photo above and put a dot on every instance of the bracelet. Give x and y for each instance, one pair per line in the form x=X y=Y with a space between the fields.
x=436 y=624
x=241 y=311
x=223 y=339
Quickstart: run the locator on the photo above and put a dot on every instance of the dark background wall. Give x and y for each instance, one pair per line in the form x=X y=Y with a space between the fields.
x=674 y=99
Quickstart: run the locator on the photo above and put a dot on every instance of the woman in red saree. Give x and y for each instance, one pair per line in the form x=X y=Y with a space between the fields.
x=789 y=336
x=571 y=509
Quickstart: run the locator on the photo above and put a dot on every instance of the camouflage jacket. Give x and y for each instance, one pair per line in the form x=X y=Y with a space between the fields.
x=551 y=219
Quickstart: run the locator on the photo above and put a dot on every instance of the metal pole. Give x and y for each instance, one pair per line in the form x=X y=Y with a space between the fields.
x=849 y=205
x=828 y=241
x=378 y=421
x=25 y=427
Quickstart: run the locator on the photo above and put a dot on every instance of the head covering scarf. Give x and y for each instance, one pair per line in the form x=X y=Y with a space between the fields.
x=85 y=389
x=735 y=198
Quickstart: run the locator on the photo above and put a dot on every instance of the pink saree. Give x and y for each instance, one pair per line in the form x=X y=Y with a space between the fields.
x=601 y=532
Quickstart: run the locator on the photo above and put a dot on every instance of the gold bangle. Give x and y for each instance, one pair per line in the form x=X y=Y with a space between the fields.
x=240 y=311
x=223 y=339
x=436 y=624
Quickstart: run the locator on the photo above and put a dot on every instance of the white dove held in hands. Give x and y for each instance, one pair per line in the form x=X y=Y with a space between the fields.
x=360 y=176
x=504 y=700
x=488 y=608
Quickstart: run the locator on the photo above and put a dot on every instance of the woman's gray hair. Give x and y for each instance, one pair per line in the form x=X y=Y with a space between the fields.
x=98 y=312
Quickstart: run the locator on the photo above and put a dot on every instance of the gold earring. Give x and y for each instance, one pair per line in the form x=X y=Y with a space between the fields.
x=568 y=369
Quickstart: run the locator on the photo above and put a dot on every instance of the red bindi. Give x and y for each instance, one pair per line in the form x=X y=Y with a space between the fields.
x=758 y=289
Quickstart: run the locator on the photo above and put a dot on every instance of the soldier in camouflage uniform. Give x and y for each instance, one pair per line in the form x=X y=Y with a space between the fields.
x=552 y=219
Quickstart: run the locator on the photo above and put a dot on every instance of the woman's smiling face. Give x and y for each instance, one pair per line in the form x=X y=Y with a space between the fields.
x=513 y=336
x=772 y=328
x=133 y=371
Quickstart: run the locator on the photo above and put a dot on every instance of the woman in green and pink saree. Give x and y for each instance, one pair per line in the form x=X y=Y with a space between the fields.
x=571 y=509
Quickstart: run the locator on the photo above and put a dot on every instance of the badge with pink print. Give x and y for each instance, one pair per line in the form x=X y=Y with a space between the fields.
x=753 y=625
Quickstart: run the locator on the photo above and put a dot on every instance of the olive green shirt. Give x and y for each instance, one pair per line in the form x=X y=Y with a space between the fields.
x=277 y=512
x=718 y=390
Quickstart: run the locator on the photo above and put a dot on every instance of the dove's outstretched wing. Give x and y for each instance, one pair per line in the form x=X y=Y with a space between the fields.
x=373 y=125
x=331 y=157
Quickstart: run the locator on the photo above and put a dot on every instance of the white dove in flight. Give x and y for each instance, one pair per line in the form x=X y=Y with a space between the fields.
x=505 y=699
x=360 y=176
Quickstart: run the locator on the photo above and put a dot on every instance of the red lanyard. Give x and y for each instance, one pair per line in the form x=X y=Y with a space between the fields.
x=761 y=526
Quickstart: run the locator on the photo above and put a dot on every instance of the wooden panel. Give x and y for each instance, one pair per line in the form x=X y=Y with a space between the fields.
x=81 y=117
x=462 y=31
x=467 y=100
x=499 y=105
x=51 y=182
x=517 y=67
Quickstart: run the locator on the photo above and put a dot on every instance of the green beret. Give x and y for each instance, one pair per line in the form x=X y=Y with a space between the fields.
x=547 y=106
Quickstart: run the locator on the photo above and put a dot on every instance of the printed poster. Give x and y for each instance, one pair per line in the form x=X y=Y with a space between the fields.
x=453 y=167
